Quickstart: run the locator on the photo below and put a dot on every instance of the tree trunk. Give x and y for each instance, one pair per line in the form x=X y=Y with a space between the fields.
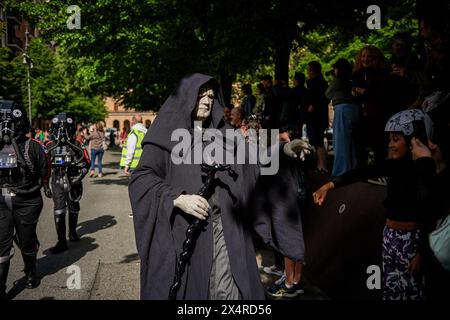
x=282 y=61
x=226 y=81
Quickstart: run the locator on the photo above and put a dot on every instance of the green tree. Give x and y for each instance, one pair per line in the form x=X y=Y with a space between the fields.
x=52 y=88
x=137 y=51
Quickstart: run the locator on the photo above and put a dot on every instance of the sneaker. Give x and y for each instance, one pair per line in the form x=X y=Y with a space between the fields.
x=273 y=270
x=321 y=171
x=299 y=287
x=281 y=279
x=379 y=181
x=100 y=175
x=91 y=174
x=281 y=291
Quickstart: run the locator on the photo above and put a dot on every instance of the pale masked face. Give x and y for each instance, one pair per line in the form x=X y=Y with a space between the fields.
x=204 y=103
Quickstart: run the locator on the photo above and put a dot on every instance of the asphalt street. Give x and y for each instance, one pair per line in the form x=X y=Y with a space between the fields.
x=104 y=265
x=105 y=258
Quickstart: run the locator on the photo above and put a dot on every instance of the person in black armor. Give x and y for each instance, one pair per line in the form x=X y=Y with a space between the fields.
x=69 y=163
x=23 y=168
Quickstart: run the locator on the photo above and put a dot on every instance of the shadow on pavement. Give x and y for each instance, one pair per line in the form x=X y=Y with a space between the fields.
x=122 y=181
x=50 y=264
x=104 y=174
x=99 y=223
x=111 y=165
x=130 y=258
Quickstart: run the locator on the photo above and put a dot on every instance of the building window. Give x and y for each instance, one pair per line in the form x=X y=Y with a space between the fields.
x=126 y=124
x=116 y=125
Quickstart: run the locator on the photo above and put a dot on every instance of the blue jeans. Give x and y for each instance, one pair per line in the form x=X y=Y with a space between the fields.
x=345 y=126
x=97 y=153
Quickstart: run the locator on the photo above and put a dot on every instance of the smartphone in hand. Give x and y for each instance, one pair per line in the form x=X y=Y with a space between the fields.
x=420 y=131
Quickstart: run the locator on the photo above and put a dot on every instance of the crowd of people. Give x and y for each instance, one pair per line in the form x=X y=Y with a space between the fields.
x=391 y=126
x=391 y=120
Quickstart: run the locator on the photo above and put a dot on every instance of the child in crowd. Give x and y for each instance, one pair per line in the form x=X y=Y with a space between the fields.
x=292 y=180
x=411 y=177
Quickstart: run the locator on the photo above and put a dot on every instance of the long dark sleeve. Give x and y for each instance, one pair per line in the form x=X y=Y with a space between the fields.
x=425 y=171
x=43 y=163
x=147 y=183
x=356 y=175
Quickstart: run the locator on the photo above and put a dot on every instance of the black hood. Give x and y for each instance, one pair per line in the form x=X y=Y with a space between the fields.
x=176 y=112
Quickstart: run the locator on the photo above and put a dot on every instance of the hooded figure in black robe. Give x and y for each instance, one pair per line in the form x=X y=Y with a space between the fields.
x=223 y=264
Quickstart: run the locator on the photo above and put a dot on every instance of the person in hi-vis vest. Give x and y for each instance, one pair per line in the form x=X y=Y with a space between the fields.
x=132 y=149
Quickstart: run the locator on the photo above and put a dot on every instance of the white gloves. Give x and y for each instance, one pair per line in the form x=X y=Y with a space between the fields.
x=193 y=204
x=297 y=148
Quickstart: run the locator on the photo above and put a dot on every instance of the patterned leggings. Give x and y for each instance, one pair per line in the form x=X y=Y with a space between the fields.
x=399 y=247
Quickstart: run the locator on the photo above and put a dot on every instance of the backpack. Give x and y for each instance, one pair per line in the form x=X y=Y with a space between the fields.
x=440 y=243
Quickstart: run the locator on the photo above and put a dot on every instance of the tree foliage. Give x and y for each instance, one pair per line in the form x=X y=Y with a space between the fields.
x=52 y=88
x=137 y=50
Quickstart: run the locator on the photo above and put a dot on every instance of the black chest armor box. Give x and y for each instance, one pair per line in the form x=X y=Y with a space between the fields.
x=63 y=157
x=8 y=158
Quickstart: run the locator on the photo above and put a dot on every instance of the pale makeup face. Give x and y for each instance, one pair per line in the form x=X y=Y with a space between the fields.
x=204 y=103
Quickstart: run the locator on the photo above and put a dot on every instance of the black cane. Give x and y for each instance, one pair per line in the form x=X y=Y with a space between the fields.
x=195 y=228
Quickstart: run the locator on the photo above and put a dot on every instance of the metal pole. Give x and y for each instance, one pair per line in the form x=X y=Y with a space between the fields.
x=29 y=66
x=29 y=92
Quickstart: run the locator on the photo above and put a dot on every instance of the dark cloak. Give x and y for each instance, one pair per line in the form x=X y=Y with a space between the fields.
x=160 y=228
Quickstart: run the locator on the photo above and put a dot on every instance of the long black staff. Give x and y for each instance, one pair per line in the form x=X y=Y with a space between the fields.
x=195 y=228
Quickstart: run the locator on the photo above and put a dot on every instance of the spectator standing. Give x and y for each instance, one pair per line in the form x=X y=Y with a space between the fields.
x=123 y=136
x=410 y=194
x=96 y=139
x=259 y=105
x=372 y=86
x=269 y=113
x=346 y=118
x=406 y=70
x=249 y=100
x=237 y=117
x=317 y=113
x=132 y=149
x=227 y=112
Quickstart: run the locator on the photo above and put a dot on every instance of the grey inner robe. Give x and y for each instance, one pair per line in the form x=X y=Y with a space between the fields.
x=221 y=282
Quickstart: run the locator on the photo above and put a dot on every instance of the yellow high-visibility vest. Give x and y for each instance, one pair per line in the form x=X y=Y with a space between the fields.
x=137 y=151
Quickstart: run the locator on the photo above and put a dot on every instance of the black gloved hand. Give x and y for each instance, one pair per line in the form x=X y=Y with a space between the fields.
x=47 y=191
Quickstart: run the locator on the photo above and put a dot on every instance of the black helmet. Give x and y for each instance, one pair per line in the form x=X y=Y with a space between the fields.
x=63 y=126
x=13 y=121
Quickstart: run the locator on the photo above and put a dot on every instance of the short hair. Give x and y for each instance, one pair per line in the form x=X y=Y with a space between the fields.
x=344 y=67
x=267 y=77
x=137 y=118
x=300 y=77
x=247 y=88
x=99 y=126
x=240 y=111
x=315 y=66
